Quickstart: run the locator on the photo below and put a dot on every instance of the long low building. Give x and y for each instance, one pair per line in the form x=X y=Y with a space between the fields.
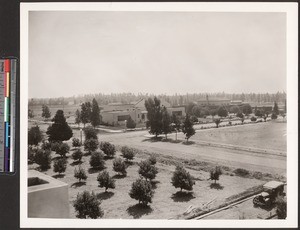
x=116 y=114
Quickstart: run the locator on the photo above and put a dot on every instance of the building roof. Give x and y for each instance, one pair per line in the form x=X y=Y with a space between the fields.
x=214 y=99
x=273 y=184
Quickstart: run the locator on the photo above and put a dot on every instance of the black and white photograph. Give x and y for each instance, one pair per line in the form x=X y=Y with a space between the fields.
x=170 y=112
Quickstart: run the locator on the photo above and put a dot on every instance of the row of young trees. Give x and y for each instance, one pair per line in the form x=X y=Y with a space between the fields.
x=161 y=122
x=87 y=206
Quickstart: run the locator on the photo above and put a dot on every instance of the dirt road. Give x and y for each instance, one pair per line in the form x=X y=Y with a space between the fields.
x=239 y=158
x=224 y=152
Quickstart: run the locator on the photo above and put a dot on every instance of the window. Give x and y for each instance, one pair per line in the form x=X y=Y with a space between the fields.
x=177 y=113
x=123 y=117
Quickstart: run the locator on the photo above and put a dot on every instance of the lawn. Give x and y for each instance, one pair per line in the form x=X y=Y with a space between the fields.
x=269 y=135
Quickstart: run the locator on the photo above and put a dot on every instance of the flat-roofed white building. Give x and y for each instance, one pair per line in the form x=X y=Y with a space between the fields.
x=116 y=113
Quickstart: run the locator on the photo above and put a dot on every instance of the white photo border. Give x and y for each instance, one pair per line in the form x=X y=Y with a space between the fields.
x=291 y=10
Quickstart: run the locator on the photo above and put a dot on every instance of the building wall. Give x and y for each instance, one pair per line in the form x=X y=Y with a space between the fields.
x=180 y=111
x=137 y=112
x=50 y=200
x=213 y=102
x=113 y=118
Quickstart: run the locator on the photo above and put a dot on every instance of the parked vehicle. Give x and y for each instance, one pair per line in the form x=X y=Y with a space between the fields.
x=271 y=190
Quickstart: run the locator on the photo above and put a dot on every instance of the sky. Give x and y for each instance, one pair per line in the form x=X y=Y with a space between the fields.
x=75 y=53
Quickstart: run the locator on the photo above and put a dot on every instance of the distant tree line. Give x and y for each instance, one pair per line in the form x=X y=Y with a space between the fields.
x=174 y=100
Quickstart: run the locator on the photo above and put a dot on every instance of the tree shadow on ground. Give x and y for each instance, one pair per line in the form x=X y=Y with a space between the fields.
x=119 y=176
x=76 y=163
x=129 y=163
x=78 y=184
x=139 y=210
x=58 y=176
x=182 y=196
x=152 y=139
x=56 y=158
x=105 y=195
x=86 y=154
x=154 y=183
x=216 y=186
x=94 y=170
x=108 y=157
x=188 y=143
x=171 y=141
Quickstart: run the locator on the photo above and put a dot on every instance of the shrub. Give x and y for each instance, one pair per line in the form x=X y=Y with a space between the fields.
x=241 y=172
x=31 y=154
x=87 y=206
x=105 y=180
x=108 y=149
x=76 y=142
x=240 y=115
x=43 y=159
x=147 y=170
x=141 y=190
x=119 y=166
x=215 y=173
x=62 y=149
x=253 y=118
x=217 y=122
x=182 y=179
x=55 y=145
x=34 y=135
x=281 y=207
x=60 y=165
x=77 y=155
x=97 y=160
x=273 y=116
x=128 y=153
x=130 y=123
x=46 y=145
x=90 y=133
x=152 y=159
x=80 y=174
x=90 y=145
x=194 y=119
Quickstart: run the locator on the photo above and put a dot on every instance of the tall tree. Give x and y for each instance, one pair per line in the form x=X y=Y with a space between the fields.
x=189 y=108
x=166 y=122
x=222 y=112
x=59 y=130
x=46 y=112
x=30 y=113
x=275 y=108
x=95 y=114
x=246 y=109
x=154 y=116
x=86 y=112
x=77 y=117
x=176 y=124
x=188 y=128
x=285 y=106
x=35 y=135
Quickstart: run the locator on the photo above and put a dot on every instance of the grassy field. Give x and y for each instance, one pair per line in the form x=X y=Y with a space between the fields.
x=265 y=135
x=167 y=202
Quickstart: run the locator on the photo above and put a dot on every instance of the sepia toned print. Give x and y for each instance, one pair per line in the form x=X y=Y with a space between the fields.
x=157 y=115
